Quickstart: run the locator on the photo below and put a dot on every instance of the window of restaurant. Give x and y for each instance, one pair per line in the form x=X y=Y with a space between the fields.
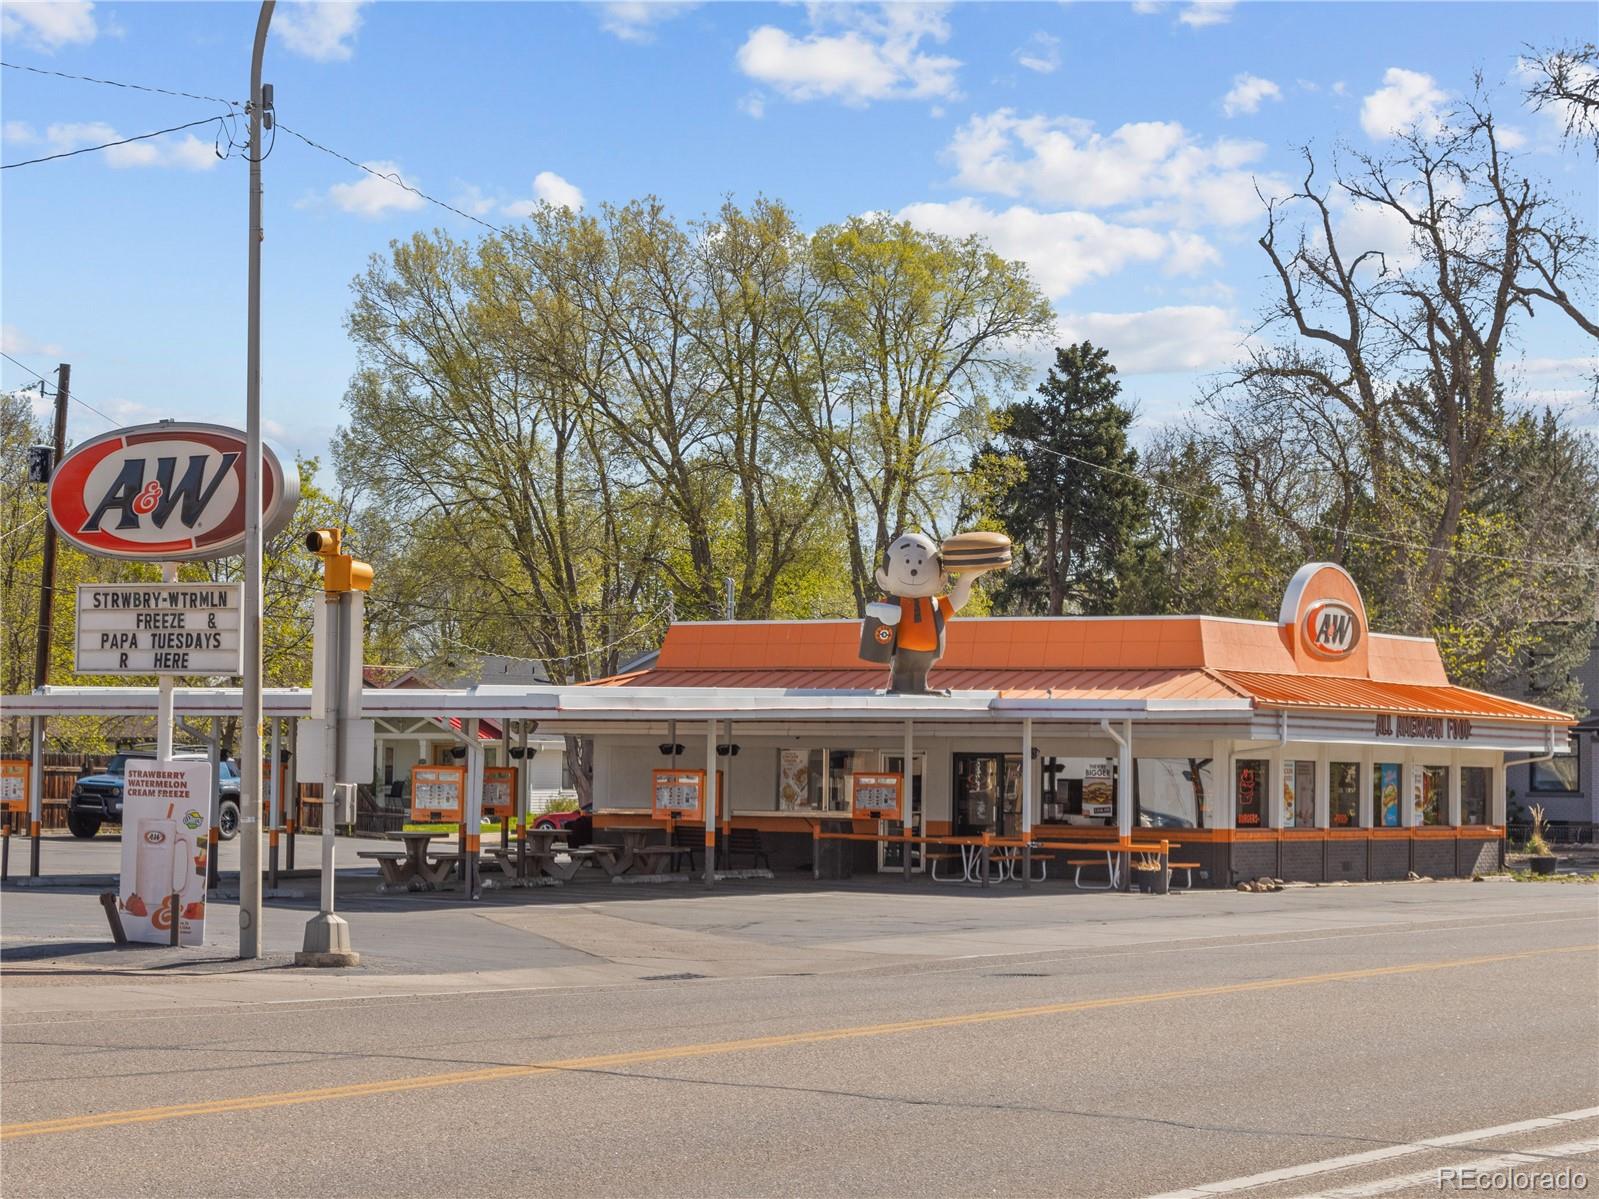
x=1249 y=791
x=1299 y=795
x=1474 y=784
x=818 y=780
x=1343 y=781
x=1432 y=795
x=1559 y=774
x=1172 y=792
x=1385 y=794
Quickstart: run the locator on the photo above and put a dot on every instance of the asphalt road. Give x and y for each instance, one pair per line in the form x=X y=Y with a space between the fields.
x=846 y=1042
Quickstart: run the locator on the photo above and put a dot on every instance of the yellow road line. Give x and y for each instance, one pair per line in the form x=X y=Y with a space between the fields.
x=639 y=1057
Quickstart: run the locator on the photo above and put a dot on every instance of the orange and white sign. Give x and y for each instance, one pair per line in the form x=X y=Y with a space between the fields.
x=679 y=794
x=499 y=792
x=1323 y=621
x=1331 y=629
x=438 y=793
x=14 y=785
x=875 y=796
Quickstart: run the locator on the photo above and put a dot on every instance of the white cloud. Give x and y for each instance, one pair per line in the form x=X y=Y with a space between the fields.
x=752 y=104
x=20 y=132
x=1041 y=53
x=1063 y=250
x=1158 y=166
x=1363 y=227
x=1560 y=366
x=14 y=341
x=372 y=197
x=1202 y=13
x=321 y=30
x=1407 y=99
x=1246 y=94
x=49 y=24
x=876 y=56
x=471 y=198
x=1146 y=8
x=548 y=188
x=1191 y=338
x=1340 y=88
x=188 y=152
x=635 y=20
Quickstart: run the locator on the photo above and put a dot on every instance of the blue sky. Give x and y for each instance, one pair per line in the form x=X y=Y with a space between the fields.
x=1115 y=147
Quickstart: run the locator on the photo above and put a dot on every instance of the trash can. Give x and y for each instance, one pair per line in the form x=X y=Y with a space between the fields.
x=835 y=859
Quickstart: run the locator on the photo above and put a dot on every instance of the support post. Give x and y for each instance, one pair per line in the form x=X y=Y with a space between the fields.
x=472 y=827
x=523 y=781
x=710 y=804
x=275 y=816
x=327 y=935
x=35 y=796
x=1027 y=803
x=250 y=715
x=1124 y=801
x=906 y=797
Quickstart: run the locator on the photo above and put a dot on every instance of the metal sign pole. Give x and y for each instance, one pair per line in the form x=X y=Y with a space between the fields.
x=164 y=687
x=250 y=717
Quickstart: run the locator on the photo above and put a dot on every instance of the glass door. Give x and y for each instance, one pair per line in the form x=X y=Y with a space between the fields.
x=888 y=854
x=988 y=794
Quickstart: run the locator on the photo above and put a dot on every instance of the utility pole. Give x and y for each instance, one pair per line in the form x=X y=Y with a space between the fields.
x=250 y=717
x=41 y=654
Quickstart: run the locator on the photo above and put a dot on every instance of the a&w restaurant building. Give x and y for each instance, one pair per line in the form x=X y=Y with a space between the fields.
x=1309 y=748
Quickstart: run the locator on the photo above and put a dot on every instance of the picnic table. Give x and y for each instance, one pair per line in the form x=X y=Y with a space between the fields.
x=638 y=848
x=411 y=867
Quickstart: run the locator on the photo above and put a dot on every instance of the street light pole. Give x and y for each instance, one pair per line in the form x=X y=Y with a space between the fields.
x=250 y=717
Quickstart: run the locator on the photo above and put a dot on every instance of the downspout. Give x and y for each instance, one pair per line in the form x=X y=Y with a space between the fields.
x=1504 y=835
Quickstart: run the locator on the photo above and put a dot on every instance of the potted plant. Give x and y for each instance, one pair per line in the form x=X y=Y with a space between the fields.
x=1540 y=858
x=1148 y=876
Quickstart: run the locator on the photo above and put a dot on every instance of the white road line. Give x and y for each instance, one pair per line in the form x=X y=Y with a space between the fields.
x=1541 y=1159
x=1331 y=1164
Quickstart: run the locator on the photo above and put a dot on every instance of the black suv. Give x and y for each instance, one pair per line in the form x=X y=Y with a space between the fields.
x=97 y=798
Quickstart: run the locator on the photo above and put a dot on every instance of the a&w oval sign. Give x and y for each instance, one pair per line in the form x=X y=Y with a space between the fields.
x=1331 y=629
x=166 y=492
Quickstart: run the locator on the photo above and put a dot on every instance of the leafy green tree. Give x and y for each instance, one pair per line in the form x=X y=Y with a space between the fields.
x=1062 y=482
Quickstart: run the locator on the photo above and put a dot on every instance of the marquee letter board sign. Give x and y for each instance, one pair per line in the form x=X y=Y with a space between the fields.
x=438 y=793
x=679 y=794
x=499 y=792
x=875 y=796
x=13 y=785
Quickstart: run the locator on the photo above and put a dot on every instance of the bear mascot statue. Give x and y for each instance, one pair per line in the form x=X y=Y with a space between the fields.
x=906 y=629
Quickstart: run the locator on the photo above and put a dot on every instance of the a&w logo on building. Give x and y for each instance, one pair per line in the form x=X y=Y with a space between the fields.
x=165 y=492
x=1332 y=629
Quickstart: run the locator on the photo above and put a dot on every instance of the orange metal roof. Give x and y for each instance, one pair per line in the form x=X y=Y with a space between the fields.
x=1116 y=658
x=1026 y=684
x=1311 y=691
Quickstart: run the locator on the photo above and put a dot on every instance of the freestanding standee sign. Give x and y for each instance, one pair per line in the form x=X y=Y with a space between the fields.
x=166 y=822
x=167 y=493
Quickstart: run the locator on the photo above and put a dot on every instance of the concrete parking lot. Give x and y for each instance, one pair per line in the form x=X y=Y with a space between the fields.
x=782 y=1037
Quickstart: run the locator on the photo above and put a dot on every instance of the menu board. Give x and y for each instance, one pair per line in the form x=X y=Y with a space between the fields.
x=499 y=792
x=13 y=785
x=679 y=794
x=438 y=793
x=875 y=796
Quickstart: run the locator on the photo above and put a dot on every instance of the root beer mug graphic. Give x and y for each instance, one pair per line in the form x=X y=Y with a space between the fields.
x=166 y=814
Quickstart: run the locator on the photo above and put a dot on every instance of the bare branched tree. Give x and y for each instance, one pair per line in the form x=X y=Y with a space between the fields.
x=1566 y=79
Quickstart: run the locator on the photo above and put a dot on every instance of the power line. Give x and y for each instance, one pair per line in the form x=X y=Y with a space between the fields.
x=28 y=162
x=72 y=396
x=389 y=177
x=137 y=87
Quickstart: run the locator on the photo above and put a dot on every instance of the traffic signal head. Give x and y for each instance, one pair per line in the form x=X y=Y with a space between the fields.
x=323 y=541
x=340 y=572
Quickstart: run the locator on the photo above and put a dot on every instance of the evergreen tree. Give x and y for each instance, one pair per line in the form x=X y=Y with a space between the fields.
x=1060 y=477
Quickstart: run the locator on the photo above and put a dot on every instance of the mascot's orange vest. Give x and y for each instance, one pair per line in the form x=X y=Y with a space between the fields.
x=921 y=623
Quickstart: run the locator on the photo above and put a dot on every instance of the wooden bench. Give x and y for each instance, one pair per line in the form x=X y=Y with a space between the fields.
x=612 y=859
x=691 y=841
x=747 y=841
x=400 y=869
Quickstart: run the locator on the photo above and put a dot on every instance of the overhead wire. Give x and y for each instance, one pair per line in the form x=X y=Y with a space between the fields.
x=72 y=396
x=123 y=141
x=137 y=87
